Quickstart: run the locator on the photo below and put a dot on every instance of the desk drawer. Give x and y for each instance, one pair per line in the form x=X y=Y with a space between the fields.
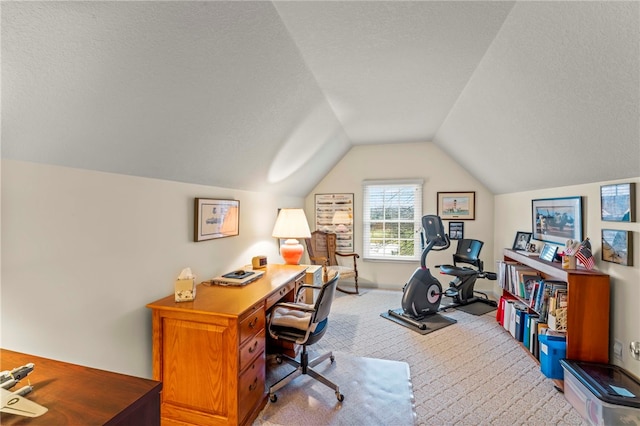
x=251 y=387
x=275 y=297
x=251 y=349
x=253 y=323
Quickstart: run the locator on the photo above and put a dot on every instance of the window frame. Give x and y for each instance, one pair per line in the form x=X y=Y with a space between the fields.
x=388 y=187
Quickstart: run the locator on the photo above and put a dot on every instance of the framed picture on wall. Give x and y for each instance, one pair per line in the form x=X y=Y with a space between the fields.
x=557 y=220
x=216 y=219
x=618 y=202
x=456 y=230
x=334 y=214
x=616 y=247
x=457 y=205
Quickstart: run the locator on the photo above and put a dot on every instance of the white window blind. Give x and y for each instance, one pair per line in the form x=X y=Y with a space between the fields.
x=392 y=215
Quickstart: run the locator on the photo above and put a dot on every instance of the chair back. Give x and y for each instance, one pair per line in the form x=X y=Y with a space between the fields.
x=468 y=251
x=322 y=308
x=322 y=245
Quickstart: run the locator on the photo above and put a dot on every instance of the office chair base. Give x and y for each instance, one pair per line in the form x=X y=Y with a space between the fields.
x=304 y=366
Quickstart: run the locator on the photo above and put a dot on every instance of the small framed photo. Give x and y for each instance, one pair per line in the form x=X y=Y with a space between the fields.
x=216 y=219
x=522 y=240
x=557 y=220
x=456 y=230
x=548 y=252
x=617 y=247
x=457 y=205
x=618 y=202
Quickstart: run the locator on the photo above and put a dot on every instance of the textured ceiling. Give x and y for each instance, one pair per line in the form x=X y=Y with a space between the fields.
x=244 y=94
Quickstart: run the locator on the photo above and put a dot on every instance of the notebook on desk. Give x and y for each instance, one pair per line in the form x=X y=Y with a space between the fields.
x=238 y=278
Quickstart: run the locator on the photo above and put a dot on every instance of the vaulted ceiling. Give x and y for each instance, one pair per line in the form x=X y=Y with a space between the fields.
x=525 y=95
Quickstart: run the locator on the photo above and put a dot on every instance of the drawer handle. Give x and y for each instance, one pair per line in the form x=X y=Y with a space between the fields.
x=253 y=348
x=253 y=322
x=253 y=385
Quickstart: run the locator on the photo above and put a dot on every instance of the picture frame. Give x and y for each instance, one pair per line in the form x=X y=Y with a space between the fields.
x=456 y=230
x=548 y=252
x=521 y=242
x=457 y=205
x=617 y=246
x=216 y=218
x=334 y=214
x=618 y=202
x=557 y=220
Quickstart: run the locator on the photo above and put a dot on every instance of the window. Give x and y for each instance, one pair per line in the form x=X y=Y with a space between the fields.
x=392 y=219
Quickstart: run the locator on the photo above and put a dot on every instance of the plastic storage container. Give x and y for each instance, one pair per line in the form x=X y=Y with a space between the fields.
x=603 y=394
x=552 y=350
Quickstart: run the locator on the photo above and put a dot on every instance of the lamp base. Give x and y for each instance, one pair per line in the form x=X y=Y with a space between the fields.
x=291 y=251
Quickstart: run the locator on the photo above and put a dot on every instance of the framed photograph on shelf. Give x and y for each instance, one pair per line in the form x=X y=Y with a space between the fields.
x=334 y=213
x=456 y=230
x=618 y=202
x=617 y=247
x=548 y=252
x=522 y=241
x=457 y=205
x=216 y=219
x=557 y=220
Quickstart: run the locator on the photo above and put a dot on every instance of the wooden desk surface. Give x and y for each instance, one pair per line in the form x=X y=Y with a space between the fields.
x=77 y=395
x=233 y=300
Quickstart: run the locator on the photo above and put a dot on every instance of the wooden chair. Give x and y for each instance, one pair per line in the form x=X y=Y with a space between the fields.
x=321 y=248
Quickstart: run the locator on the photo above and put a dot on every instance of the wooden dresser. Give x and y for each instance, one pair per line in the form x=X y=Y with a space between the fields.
x=77 y=395
x=210 y=353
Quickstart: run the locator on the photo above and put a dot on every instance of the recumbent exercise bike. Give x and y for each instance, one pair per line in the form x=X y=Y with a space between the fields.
x=422 y=294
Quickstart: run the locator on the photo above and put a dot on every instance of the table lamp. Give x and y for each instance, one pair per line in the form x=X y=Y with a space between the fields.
x=290 y=225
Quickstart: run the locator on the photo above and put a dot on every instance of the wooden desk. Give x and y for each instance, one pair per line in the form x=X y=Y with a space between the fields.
x=78 y=395
x=210 y=353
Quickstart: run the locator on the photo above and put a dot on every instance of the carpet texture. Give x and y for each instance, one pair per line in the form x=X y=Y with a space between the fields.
x=471 y=373
x=376 y=392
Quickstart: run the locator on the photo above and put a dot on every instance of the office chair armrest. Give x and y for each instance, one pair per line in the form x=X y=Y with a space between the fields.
x=306 y=286
x=355 y=255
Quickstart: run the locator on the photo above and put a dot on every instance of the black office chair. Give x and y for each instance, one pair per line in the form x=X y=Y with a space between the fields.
x=303 y=324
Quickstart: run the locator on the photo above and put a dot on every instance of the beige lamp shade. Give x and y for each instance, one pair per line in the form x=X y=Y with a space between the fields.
x=290 y=225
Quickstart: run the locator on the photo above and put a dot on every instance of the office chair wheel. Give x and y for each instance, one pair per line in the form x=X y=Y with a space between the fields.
x=332 y=359
x=340 y=396
x=273 y=397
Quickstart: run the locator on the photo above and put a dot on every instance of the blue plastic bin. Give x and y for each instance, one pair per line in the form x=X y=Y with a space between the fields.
x=552 y=350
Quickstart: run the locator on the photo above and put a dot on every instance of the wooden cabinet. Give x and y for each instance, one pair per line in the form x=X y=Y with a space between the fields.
x=588 y=306
x=210 y=353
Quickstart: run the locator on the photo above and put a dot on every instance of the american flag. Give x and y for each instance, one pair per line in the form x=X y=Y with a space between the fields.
x=585 y=256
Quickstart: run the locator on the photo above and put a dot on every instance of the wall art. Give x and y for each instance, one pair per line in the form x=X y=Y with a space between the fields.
x=557 y=220
x=216 y=219
x=618 y=202
x=617 y=247
x=457 y=205
x=334 y=213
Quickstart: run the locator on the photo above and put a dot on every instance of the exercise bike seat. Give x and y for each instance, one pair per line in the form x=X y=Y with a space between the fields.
x=457 y=271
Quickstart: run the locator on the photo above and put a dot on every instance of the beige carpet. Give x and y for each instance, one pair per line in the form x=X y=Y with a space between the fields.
x=376 y=392
x=470 y=373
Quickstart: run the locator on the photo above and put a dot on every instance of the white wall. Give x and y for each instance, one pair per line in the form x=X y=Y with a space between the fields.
x=423 y=160
x=83 y=252
x=513 y=213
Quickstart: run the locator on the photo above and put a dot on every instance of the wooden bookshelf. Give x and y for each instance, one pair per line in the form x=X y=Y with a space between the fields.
x=587 y=310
